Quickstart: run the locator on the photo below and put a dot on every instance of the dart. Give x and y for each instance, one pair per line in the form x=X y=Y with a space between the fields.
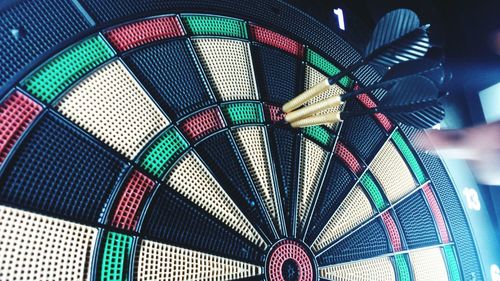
x=413 y=101
x=398 y=37
x=403 y=74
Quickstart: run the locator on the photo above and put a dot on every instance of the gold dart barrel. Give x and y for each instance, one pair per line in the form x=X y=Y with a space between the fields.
x=329 y=118
x=313 y=109
x=306 y=95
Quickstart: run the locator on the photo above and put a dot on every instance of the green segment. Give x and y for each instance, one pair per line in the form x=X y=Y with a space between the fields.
x=243 y=113
x=163 y=152
x=371 y=187
x=214 y=25
x=116 y=251
x=402 y=268
x=66 y=68
x=409 y=156
x=319 y=134
x=327 y=67
x=451 y=261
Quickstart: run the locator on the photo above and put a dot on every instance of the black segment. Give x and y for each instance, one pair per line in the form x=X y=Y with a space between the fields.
x=417 y=222
x=363 y=134
x=171 y=74
x=174 y=220
x=369 y=241
x=61 y=172
x=222 y=157
x=337 y=184
x=30 y=30
x=283 y=141
x=277 y=73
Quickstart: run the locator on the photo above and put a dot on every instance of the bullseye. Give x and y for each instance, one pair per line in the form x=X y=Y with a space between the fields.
x=290 y=260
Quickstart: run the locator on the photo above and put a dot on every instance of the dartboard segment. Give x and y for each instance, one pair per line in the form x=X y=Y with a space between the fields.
x=17 y=112
x=228 y=66
x=417 y=222
x=171 y=72
x=392 y=172
x=60 y=171
x=337 y=184
x=157 y=261
x=44 y=248
x=277 y=73
x=173 y=219
x=312 y=161
x=111 y=105
x=221 y=154
x=374 y=269
x=369 y=241
x=428 y=264
x=192 y=179
x=253 y=144
x=353 y=211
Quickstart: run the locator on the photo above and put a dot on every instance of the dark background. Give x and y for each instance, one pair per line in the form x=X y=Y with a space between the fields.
x=466 y=30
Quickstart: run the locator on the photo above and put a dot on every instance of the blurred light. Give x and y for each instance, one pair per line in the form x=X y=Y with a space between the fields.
x=472 y=199
x=340 y=17
x=437 y=126
x=496 y=42
x=495 y=272
x=490 y=100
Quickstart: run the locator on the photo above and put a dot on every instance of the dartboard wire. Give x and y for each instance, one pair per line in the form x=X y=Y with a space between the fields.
x=274 y=178
x=198 y=64
x=358 y=179
x=206 y=81
x=254 y=188
x=392 y=254
x=84 y=12
x=310 y=210
x=319 y=188
x=265 y=239
x=378 y=215
x=330 y=156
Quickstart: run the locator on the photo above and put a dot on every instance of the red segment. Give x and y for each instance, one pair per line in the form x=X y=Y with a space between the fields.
x=348 y=158
x=274 y=112
x=384 y=121
x=202 y=124
x=368 y=102
x=138 y=33
x=436 y=211
x=276 y=40
x=390 y=224
x=136 y=190
x=16 y=114
x=290 y=250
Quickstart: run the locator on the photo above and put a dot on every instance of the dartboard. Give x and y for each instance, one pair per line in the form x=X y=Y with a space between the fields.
x=143 y=140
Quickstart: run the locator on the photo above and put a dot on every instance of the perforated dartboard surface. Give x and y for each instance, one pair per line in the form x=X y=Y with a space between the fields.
x=141 y=140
